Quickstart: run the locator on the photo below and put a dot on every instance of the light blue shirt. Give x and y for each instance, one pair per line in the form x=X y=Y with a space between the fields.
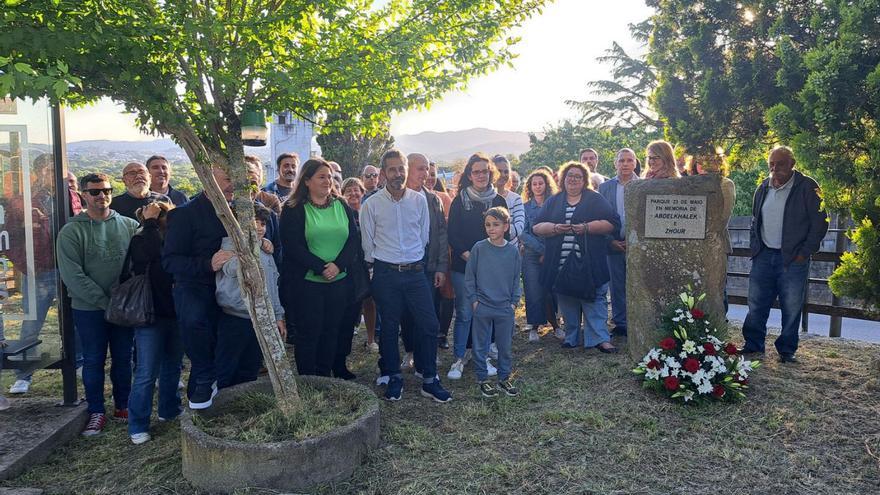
x=395 y=231
x=772 y=212
x=621 y=210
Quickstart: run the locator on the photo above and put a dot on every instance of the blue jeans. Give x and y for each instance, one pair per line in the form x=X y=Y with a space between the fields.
x=238 y=354
x=617 y=268
x=536 y=295
x=393 y=292
x=159 y=353
x=595 y=317
x=197 y=312
x=464 y=313
x=45 y=288
x=769 y=278
x=96 y=335
x=485 y=318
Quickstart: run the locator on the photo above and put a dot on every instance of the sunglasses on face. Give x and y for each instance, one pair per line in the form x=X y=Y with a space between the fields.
x=97 y=192
x=371 y=176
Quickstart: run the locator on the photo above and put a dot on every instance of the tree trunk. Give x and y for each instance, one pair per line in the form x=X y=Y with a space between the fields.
x=251 y=277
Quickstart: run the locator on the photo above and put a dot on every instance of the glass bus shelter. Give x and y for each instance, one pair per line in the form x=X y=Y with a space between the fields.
x=34 y=205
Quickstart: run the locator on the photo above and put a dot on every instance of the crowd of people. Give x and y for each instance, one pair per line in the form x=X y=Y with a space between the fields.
x=397 y=249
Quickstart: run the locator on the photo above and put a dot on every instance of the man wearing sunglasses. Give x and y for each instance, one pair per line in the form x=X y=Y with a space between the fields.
x=91 y=252
x=370 y=178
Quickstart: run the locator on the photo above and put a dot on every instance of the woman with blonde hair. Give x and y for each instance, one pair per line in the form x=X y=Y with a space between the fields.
x=661 y=161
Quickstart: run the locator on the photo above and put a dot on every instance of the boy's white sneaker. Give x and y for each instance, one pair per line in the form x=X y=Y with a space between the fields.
x=490 y=370
x=456 y=370
x=139 y=438
x=20 y=387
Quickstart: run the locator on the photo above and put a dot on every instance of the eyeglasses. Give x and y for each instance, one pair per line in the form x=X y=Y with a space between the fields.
x=480 y=172
x=97 y=192
x=370 y=176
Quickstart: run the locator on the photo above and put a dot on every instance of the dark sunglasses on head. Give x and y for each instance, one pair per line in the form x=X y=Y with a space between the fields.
x=95 y=192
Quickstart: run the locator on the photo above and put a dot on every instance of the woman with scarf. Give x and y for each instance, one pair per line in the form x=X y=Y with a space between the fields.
x=576 y=223
x=476 y=194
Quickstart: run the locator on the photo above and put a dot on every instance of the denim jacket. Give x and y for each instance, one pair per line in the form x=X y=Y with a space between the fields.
x=531 y=241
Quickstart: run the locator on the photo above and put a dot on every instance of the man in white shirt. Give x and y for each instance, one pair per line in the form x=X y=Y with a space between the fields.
x=395 y=228
x=590 y=158
x=514 y=200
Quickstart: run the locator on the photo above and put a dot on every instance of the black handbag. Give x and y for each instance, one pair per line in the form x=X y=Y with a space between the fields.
x=575 y=278
x=131 y=300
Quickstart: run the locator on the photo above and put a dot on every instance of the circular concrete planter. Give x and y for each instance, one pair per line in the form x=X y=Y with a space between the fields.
x=221 y=466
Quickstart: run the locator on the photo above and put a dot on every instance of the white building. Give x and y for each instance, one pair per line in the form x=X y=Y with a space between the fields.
x=290 y=134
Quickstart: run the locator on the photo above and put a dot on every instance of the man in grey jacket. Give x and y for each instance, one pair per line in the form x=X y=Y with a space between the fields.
x=612 y=190
x=788 y=225
x=437 y=251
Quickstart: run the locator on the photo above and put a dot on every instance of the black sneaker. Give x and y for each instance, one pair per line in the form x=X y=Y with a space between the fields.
x=203 y=396
x=508 y=387
x=395 y=388
x=344 y=373
x=436 y=391
x=488 y=390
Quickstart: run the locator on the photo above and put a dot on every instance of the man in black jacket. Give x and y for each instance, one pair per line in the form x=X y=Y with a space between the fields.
x=788 y=225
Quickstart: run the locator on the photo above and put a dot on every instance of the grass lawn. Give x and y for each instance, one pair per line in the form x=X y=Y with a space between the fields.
x=582 y=424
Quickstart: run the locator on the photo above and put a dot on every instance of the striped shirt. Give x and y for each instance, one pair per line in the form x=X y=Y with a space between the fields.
x=569 y=242
x=517 y=215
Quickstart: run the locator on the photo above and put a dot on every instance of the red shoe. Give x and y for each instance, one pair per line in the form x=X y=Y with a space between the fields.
x=121 y=415
x=95 y=425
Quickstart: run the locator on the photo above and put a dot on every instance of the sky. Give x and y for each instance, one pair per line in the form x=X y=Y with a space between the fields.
x=556 y=59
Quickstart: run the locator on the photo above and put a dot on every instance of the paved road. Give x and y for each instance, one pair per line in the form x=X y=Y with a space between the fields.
x=868 y=331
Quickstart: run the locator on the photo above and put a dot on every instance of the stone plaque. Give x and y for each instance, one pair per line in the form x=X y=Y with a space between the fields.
x=670 y=216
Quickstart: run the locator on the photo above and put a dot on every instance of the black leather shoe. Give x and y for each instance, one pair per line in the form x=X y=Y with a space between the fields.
x=443 y=344
x=787 y=358
x=619 y=331
x=745 y=351
x=344 y=374
x=607 y=350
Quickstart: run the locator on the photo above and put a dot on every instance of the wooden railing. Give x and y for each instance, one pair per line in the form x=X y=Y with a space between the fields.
x=835 y=310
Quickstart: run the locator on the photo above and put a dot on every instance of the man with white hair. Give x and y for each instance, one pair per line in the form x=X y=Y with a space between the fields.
x=137 y=193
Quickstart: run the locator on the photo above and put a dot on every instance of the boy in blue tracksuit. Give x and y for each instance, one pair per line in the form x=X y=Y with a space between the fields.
x=238 y=355
x=492 y=287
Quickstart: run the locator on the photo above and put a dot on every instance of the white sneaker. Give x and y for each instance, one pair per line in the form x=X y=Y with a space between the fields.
x=20 y=387
x=382 y=380
x=490 y=370
x=533 y=336
x=139 y=438
x=4 y=403
x=456 y=370
x=407 y=363
x=493 y=351
x=560 y=333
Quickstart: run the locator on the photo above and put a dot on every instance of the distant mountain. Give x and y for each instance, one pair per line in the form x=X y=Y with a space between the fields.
x=443 y=147
x=448 y=146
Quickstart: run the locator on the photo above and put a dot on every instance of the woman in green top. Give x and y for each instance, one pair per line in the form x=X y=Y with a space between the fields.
x=320 y=240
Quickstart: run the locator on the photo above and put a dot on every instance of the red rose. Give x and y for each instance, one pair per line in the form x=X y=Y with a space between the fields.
x=718 y=391
x=671 y=382
x=691 y=365
x=709 y=348
x=697 y=313
x=653 y=364
x=667 y=344
x=731 y=349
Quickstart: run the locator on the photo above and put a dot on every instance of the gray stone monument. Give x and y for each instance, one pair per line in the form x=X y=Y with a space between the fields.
x=675 y=232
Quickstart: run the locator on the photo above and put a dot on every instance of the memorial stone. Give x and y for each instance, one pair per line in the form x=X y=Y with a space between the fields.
x=675 y=238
